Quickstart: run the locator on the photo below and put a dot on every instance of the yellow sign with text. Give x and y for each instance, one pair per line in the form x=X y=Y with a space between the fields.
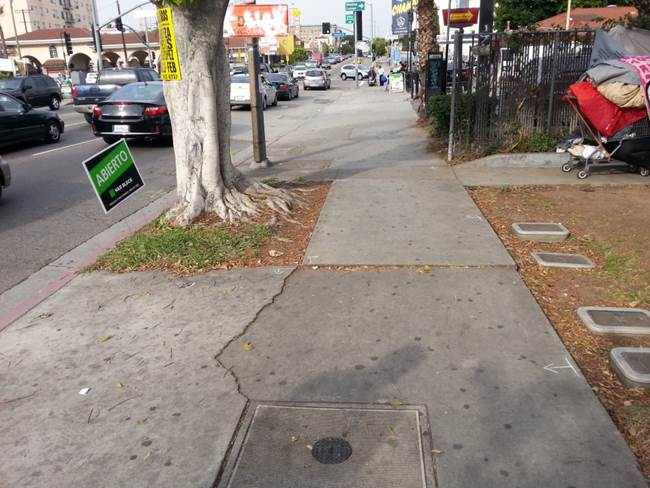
x=170 y=68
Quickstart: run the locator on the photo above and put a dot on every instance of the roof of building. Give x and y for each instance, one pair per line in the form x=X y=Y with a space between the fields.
x=79 y=33
x=583 y=18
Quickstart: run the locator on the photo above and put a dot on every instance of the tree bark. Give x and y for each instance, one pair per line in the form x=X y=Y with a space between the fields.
x=428 y=31
x=199 y=107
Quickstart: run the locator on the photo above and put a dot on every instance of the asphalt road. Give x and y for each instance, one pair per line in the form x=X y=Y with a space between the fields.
x=50 y=207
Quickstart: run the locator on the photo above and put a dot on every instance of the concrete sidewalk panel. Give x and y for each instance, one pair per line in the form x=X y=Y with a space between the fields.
x=160 y=411
x=470 y=344
x=403 y=222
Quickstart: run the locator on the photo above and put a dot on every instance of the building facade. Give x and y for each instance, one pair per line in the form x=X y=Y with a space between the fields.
x=33 y=15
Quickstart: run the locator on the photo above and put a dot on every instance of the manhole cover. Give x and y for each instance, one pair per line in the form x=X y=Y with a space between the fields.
x=337 y=446
x=331 y=450
x=616 y=321
x=540 y=231
x=561 y=260
x=632 y=365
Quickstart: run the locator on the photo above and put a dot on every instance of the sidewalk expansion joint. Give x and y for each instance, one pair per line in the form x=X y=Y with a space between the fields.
x=245 y=330
x=394 y=267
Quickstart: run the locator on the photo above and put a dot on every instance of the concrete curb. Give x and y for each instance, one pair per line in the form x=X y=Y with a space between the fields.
x=21 y=298
x=522 y=160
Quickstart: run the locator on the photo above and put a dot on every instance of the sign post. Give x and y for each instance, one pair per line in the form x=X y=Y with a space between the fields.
x=113 y=175
x=170 y=69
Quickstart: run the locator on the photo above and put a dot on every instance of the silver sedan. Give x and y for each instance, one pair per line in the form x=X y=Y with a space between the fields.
x=317 y=78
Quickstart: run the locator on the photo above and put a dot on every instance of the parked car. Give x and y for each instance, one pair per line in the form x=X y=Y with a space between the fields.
x=110 y=80
x=287 y=88
x=327 y=63
x=317 y=78
x=5 y=175
x=136 y=111
x=36 y=90
x=240 y=92
x=348 y=72
x=238 y=69
x=299 y=71
x=19 y=122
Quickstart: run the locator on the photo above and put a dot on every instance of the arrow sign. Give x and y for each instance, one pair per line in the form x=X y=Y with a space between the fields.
x=354 y=6
x=460 y=17
x=556 y=369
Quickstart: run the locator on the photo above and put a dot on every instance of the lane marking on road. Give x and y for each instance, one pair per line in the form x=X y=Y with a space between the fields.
x=75 y=124
x=65 y=147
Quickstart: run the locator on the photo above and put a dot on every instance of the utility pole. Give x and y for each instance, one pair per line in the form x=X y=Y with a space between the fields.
x=372 y=28
x=568 y=15
x=126 y=56
x=146 y=40
x=257 y=104
x=22 y=12
x=486 y=18
x=97 y=36
x=13 y=20
x=356 y=54
x=65 y=60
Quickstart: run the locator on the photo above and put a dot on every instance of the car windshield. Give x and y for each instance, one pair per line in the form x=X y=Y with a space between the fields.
x=117 y=77
x=239 y=79
x=314 y=72
x=276 y=77
x=139 y=92
x=300 y=67
x=10 y=83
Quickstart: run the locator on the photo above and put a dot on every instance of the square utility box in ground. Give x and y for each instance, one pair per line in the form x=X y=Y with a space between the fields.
x=337 y=446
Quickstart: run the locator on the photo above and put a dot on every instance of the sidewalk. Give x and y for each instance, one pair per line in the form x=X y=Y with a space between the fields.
x=429 y=312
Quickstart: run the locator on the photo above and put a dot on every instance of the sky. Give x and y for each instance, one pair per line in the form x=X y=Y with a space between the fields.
x=313 y=12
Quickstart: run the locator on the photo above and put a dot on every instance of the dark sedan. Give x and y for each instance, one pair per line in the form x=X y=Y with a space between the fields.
x=136 y=111
x=285 y=85
x=19 y=122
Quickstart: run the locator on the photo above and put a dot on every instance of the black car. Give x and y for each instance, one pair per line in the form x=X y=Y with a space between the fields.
x=19 y=122
x=136 y=111
x=37 y=90
x=285 y=85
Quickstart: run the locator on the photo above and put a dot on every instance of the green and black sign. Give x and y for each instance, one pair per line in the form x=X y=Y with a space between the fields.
x=113 y=175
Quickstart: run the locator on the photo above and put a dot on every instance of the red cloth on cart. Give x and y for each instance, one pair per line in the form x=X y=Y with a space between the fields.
x=606 y=117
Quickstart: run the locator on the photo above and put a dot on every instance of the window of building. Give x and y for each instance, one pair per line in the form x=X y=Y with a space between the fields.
x=53 y=51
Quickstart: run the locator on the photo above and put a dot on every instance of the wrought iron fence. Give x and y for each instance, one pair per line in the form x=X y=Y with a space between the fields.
x=510 y=85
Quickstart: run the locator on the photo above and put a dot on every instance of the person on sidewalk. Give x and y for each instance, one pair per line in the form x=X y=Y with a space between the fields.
x=382 y=76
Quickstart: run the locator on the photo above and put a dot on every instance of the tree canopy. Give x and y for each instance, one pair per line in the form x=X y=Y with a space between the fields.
x=299 y=55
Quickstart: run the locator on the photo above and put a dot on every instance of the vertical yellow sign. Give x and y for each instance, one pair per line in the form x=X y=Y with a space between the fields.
x=170 y=69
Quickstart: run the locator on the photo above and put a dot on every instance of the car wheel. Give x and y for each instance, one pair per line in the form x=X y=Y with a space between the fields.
x=344 y=76
x=89 y=118
x=264 y=103
x=275 y=102
x=110 y=139
x=360 y=77
x=53 y=133
x=55 y=102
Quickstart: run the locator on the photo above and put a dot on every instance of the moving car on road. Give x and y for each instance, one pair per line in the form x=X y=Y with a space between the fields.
x=37 y=90
x=286 y=87
x=110 y=80
x=5 y=175
x=299 y=71
x=348 y=71
x=317 y=78
x=19 y=122
x=136 y=111
x=240 y=92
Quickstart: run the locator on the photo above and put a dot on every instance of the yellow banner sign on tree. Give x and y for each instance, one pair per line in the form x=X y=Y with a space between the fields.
x=170 y=69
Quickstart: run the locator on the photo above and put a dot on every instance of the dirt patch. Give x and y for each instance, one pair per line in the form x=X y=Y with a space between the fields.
x=208 y=244
x=609 y=225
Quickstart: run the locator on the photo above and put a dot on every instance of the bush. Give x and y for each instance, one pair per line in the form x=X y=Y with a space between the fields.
x=439 y=108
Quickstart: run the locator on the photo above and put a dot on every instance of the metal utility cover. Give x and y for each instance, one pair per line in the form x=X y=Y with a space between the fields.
x=616 y=321
x=371 y=447
x=632 y=365
x=541 y=232
x=561 y=260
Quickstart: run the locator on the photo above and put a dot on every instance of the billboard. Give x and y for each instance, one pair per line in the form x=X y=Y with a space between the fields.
x=257 y=21
x=400 y=13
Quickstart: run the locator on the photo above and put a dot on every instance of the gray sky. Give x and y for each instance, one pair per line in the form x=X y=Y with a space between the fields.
x=313 y=12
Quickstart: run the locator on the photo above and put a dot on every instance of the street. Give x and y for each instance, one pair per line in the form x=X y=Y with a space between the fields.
x=50 y=207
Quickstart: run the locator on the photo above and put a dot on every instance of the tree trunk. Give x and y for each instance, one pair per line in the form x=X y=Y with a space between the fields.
x=428 y=31
x=199 y=106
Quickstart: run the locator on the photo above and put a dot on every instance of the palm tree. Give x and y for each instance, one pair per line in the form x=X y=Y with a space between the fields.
x=428 y=31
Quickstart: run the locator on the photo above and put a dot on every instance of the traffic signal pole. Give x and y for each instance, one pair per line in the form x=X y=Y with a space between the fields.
x=257 y=106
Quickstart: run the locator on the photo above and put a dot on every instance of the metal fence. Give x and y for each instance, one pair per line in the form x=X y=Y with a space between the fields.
x=510 y=85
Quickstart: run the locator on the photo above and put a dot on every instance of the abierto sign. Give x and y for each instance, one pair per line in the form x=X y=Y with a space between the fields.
x=257 y=21
x=113 y=175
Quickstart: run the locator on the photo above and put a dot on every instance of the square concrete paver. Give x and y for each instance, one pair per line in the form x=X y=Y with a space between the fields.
x=469 y=344
x=632 y=366
x=403 y=222
x=615 y=321
x=541 y=232
x=338 y=446
x=562 y=260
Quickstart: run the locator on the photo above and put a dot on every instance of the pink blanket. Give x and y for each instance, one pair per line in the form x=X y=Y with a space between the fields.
x=642 y=65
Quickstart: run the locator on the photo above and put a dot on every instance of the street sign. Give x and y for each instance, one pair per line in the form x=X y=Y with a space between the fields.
x=170 y=69
x=338 y=34
x=113 y=175
x=349 y=19
x=460 y=17
x=355 y=6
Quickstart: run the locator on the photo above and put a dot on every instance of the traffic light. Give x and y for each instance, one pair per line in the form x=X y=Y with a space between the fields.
x=118 y=24
x=327 y=28
x=68 y=43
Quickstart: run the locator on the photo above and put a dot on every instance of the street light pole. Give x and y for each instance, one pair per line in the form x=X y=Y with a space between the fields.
x=13 y=20
x=96 y=35
x=126 y=56
x=356 y=52
x=568 y=15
